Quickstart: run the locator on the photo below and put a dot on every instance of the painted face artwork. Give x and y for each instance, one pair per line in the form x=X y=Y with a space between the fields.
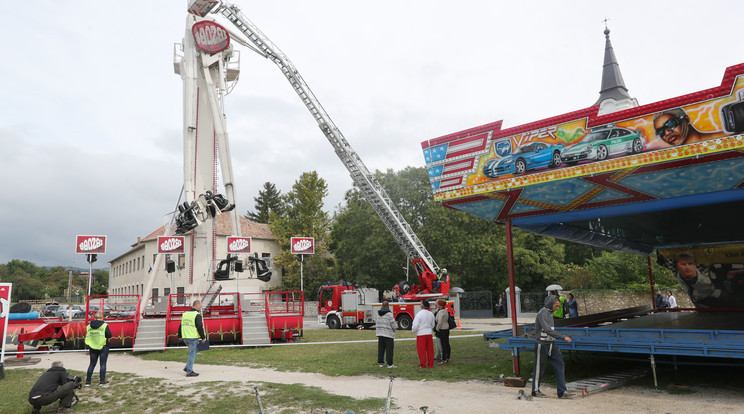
x=673 y=130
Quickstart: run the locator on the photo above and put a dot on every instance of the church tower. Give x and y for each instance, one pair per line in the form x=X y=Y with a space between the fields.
x=613 y=95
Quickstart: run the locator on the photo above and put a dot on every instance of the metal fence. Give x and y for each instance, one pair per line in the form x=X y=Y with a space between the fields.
x=476 y=305
x=531 y=302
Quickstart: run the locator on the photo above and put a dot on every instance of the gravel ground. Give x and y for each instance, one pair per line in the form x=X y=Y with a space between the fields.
x=409 y=396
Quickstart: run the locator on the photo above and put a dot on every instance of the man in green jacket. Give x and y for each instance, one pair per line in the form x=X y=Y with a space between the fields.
x=191 y=331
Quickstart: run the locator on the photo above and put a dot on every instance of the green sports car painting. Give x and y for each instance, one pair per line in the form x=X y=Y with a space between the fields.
x=602 y=143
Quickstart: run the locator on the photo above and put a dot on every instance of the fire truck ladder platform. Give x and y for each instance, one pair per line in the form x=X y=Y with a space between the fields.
x=605 y=382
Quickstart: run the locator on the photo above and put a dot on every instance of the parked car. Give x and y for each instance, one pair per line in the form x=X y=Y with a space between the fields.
x=92 y=309
x=64 y=312
x=524 y=158
x=604 y=142
x=49 y=311
x=126 y=312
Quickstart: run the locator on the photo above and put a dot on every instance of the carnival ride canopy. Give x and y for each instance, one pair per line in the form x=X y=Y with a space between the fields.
x=659 y=176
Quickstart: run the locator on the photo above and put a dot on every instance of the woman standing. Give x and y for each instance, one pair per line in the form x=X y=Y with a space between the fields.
x=97 y=340
x=573 y=307
x=443 y=331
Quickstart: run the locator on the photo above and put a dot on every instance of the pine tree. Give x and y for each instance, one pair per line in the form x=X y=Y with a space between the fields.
x=269 y=199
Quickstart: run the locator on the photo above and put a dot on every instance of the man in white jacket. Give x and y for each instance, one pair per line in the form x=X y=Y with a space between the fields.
x=423 y=325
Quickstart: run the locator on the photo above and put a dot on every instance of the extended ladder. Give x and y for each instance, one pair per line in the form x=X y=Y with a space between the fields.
x=367 y=183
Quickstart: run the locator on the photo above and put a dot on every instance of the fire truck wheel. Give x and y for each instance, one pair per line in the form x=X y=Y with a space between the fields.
x=333 y=322
x=405 y=322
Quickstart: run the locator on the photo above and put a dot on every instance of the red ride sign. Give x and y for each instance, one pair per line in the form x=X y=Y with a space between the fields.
x=302 y=245
x=90 y=244
x=210 y=36
x=170 y=244
x=238 y=244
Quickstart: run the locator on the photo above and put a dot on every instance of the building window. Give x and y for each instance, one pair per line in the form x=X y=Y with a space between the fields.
x=155 y=295
x=267 y=259
x=181 y=299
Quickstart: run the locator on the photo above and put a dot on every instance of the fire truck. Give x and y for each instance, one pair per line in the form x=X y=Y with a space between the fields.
x=344 y=305
x=433 y=282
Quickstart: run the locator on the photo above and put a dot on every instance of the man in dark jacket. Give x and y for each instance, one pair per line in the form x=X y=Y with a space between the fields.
x=96 y=338
x=545 y=348
x=50 y=387
x=191 y=331
x=661 y=300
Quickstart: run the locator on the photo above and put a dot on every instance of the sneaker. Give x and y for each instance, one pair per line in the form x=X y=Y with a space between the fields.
x=192 y=374
x=104 y=382
x=185 y=370
x=567 y=395
x=443 y=362
x=538 y=394
x=380 y=365
x=392 y=366
x=87 y=383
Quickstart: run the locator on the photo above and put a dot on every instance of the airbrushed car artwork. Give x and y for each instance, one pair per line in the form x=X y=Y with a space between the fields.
x=604 y=142
x=525 y=158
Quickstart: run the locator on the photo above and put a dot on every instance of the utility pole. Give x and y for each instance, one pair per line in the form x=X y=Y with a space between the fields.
x=69 y=286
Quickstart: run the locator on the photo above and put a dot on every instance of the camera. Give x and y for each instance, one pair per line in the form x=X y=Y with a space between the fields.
x=77 y=380
x=732 y=115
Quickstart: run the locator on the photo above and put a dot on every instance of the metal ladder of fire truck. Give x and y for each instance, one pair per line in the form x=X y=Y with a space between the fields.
x=371 y=188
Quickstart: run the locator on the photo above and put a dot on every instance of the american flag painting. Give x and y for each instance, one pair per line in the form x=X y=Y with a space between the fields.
x=449 y=163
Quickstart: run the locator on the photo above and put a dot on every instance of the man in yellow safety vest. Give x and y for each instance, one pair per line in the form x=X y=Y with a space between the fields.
x=191 y=331
x=96 y=339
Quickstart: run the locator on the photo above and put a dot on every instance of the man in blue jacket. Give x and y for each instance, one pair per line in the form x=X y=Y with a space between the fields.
x=546 y=348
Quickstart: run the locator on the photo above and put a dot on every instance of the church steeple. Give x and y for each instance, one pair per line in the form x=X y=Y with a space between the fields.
x=613 y=95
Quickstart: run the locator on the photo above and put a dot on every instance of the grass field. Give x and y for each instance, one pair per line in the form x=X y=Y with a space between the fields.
x=472 y=359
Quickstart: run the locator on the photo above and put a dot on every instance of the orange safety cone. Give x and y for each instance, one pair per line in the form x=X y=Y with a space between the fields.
x=459 y=327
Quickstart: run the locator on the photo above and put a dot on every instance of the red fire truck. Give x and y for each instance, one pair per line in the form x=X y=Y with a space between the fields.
x=344 y=305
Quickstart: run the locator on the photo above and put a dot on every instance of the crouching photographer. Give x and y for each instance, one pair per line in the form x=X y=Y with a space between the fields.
x=53 y=385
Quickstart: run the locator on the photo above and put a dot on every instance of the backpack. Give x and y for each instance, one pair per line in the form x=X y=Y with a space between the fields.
x=451 y=322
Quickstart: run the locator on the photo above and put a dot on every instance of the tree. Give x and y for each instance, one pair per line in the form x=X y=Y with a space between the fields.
x=365 y=251
x=473 y=250
x=303 y=216
x=269 y=199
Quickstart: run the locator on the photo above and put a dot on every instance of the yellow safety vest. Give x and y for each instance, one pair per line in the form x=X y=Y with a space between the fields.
x=188 y=325
x=96 y=338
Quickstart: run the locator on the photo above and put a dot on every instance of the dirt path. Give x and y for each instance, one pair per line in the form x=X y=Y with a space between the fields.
x=441 y=397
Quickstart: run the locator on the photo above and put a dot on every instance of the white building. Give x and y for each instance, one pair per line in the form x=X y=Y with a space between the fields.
x=129 y=272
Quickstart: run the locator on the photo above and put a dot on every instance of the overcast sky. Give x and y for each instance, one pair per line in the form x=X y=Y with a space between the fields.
x=91 y=120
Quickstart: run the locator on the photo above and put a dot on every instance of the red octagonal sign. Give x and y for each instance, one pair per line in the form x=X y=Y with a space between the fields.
x=210 y=36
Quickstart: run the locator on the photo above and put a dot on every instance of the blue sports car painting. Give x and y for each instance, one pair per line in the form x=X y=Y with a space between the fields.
x=525 y=158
